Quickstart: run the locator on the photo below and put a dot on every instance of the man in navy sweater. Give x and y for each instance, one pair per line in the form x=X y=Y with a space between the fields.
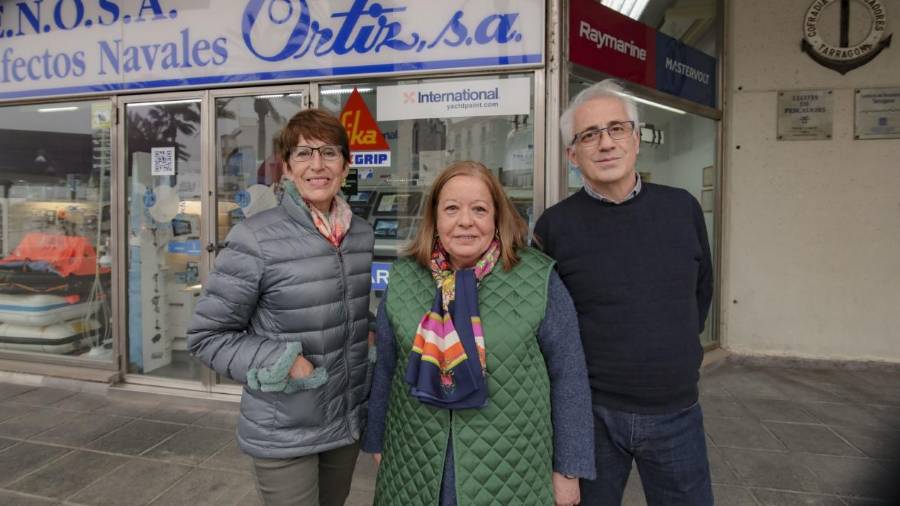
x=635 y=257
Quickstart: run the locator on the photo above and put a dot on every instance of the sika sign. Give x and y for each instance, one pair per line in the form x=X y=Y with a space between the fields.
x=602 y=39
x=368 y=148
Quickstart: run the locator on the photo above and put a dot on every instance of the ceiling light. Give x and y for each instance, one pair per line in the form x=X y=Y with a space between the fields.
x=277 y=95
x=650 y=102
x=342 y=91
x=166 y=102
x=58 y=109
x=631 y=8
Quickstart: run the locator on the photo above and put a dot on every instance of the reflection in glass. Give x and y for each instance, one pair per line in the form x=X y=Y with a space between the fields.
x=248 y=167
x=55 y=257
x=676 y=150
x=162 y=147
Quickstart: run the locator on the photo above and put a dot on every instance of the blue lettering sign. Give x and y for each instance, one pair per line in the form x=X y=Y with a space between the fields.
x=380 y=271
x=684 y=71
x=191 y=248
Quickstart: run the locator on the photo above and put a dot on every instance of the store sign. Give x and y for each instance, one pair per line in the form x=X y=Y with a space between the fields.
x=61 y=47
x=605 y=40
x=367 y=145
x=380 y=275
x=805 y=115
x=877 y=114
x=485 y=97
x=832 y=49
x=684 y=71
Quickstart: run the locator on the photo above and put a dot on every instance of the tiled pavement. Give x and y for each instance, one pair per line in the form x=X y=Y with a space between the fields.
x=777 y=435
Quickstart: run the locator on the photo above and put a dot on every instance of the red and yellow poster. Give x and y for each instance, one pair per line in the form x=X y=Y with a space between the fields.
x=368 y=148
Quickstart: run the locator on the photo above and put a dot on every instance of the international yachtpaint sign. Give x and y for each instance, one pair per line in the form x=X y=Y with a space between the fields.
x=455 y=99
x=64 y=47
x=605 y=40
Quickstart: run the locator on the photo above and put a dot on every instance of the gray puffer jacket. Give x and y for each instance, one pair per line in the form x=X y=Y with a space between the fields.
x=280 y=288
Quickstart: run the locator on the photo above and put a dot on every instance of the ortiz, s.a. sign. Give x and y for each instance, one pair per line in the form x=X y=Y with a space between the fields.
x=60 y=47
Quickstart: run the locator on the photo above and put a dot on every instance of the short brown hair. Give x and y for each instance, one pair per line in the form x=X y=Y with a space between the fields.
x=511 y=227
x=314 y=124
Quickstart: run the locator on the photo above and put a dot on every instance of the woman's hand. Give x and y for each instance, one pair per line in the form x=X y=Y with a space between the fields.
x=301 y=368
x=565 y=490
x=377 y=458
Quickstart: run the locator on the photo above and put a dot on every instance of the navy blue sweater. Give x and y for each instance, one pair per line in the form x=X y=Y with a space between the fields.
x=640 y=274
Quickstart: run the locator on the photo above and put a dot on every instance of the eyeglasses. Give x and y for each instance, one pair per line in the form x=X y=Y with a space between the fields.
x=591 y=136
x=304 y=153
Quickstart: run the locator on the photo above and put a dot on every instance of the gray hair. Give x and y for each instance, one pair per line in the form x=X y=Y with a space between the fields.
x=606 y=88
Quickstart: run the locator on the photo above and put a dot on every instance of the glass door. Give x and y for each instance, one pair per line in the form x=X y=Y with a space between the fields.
x=247 y=172
x=163 y=164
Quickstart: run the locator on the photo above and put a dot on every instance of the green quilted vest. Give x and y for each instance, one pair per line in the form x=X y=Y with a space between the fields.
x=503 y=452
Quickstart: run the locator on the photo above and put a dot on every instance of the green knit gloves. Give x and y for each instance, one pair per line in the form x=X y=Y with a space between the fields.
x=274 y=378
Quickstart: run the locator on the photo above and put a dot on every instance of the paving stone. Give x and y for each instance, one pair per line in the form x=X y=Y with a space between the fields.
x=175 y=414
x=136 y=437
x=119 y=486
x=207 y=486
x=841 y=414
x=779 y=498
x=191 y=446
x=11 y=410
x=44 y=396
x=23 y=458
x=359 y=496
x=740 y=433
x=232 y=459
x=634 y=490
x=10 y=390
x=34 y=422
x=811 y=439
x=82 y=402
x=68 y=475
x=133 y=409
x=365 y=472
x=876 y=443
x=729 y=495
x=722 y=406
x=719 y=470
x=858 y=477
x=220 y=419
x=14 y=499
x=80 y=429
x=776 y=410
x=766 y=469
x=6 y=443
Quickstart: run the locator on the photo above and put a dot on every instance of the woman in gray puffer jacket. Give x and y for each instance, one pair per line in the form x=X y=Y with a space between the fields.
x=285 y=313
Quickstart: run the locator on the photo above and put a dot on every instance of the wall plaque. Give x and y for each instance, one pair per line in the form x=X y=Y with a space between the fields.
x=805 y=115
x=877 y=114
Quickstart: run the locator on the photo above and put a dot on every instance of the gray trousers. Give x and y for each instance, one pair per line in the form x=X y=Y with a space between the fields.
x=322 y=479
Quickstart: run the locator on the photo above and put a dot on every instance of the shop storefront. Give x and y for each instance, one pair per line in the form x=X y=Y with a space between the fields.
x=135 y=134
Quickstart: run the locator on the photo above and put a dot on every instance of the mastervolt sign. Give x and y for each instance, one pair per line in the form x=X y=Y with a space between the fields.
x=62 y=47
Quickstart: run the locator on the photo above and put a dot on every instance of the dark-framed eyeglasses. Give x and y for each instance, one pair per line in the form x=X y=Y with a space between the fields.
x=305 y=153
x=591 y=136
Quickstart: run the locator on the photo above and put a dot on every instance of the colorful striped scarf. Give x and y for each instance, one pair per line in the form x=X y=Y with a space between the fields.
x=448 y=360
x=334 y=226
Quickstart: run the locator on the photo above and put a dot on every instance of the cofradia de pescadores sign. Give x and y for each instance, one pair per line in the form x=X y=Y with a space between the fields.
x=835 y=51
x=59 y=47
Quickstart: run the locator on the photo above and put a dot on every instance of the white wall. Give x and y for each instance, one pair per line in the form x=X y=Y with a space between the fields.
x=811 y=261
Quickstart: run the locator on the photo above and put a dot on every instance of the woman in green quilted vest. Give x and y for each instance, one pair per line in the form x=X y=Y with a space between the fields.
x=480 y=394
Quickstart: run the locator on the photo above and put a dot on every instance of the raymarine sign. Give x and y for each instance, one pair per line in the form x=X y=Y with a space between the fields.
x=86 y=46
x=485 y=97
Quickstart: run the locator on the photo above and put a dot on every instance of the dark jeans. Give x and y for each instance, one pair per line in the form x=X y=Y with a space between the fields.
x=670 y=451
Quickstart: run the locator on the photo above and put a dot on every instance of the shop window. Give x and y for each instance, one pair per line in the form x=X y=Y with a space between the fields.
x=55 y=269
x=429 y=124
x=677 y=149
